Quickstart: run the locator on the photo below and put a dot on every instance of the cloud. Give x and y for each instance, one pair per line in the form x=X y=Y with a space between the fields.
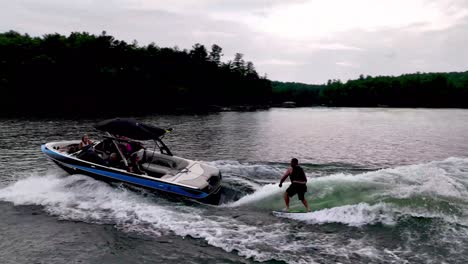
x=215 y=34
x=337 y=46
x=300 y=40
x=317 y=19
x=279 y=62
x=346 y=64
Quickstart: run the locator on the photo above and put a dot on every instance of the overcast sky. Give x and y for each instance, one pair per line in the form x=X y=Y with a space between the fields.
x=307 y=41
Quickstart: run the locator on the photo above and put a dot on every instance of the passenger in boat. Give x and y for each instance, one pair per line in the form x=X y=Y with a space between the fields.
x=134 y=165
x=72 y=149
x=105 y=146
x=85 y=141
x=114 y=161
x=124 y=146
x=135 y=146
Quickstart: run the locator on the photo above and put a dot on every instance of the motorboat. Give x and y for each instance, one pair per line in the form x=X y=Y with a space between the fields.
x=122 y=156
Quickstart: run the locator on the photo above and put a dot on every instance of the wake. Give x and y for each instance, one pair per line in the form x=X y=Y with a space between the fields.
x=430 y=190
x=436 y=189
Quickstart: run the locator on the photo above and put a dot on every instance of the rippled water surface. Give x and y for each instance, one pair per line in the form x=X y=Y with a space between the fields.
x=385 y=186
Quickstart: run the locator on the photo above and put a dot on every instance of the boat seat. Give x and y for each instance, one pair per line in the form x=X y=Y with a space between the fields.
x=155 y=168
x=165 y=163
x=171 y=162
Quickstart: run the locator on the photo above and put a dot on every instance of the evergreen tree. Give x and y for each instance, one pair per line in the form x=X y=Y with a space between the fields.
x=216 y=54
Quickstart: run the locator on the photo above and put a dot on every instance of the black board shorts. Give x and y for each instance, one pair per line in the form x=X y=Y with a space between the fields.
x=298 y=188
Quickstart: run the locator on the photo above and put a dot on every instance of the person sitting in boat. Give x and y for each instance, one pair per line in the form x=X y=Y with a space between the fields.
x=85 y=141
x=114 y=161
x=124 y=145
x=135 y=146
x=134 y=165
x=105 y=146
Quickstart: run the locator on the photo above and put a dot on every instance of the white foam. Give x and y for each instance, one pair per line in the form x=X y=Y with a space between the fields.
x=446 y=178
x=81 y=198
x=442 y=184
x=262 y=193
x=236 y=168
x=352 y=215
x=84 y=199
x=431 y=179
x=364 y=214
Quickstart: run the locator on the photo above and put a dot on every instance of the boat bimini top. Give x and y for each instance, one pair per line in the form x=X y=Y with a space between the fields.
x=133 y=129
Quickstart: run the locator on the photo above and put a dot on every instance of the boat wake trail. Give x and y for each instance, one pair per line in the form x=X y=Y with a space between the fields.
x=434 y=190
x=81 y=198
x=420 y=206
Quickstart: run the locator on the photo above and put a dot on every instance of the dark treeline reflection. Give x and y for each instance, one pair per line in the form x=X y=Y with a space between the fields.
x=408 y=90
x=88 y=74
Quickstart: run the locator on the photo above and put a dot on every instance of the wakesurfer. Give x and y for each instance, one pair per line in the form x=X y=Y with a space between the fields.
x=298 y=183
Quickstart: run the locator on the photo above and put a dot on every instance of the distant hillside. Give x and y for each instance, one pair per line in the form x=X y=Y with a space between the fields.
x=301 y=93
x=408 y=90
x=87 y=74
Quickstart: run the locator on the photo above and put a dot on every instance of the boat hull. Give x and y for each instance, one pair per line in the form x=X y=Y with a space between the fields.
x=108 y=174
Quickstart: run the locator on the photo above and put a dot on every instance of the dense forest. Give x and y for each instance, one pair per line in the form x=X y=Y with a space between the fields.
x=408 y=90
x=85 y=74
x=88 y=74
x=300 y=93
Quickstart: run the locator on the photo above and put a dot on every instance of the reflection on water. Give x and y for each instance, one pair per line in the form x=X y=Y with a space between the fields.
x=372 y=137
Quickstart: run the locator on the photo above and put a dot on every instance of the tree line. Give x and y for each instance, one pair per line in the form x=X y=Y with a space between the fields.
x=408 y=90
x=90 y=74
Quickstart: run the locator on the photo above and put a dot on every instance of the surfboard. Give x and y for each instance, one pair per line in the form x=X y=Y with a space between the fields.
x=292 y=211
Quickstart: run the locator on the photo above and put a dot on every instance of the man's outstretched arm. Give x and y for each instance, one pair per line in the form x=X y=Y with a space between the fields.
x=285 y=176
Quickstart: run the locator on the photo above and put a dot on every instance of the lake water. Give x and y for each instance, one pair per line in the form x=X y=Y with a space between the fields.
x=385 y=186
